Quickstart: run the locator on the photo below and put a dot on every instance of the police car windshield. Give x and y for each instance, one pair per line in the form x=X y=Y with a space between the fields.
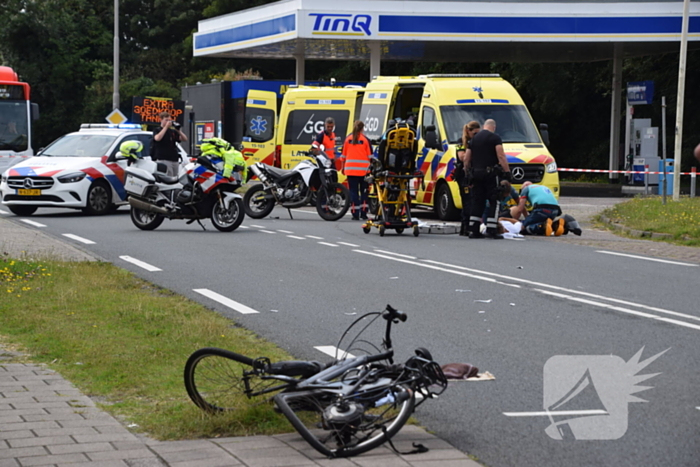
x=79 y=146
x=513 y=123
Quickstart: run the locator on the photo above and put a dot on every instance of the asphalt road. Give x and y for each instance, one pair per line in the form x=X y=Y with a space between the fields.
x=536 y=313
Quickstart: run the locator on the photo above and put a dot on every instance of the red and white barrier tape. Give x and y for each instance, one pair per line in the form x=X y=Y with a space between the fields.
x=621 y=171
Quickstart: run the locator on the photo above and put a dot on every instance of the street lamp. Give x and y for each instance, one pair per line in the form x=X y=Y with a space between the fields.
x=679 y=103
x=115 y=83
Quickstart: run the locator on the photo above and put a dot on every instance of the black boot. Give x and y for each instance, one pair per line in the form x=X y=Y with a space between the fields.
x=464 y=229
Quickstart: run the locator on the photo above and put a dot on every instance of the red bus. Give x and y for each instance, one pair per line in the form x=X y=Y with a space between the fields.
x=16 y=115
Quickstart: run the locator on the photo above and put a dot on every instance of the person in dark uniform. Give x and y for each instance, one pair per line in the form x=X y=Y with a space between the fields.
x=460 y=175
x=487 y=162
x=164 y=142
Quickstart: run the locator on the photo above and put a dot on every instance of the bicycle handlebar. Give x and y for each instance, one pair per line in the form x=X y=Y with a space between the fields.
x=392 y=313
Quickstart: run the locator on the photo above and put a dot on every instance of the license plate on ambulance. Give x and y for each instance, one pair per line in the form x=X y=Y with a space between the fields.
x=23 y=192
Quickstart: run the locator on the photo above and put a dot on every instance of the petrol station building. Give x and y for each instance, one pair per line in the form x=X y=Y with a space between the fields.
x=453 y=31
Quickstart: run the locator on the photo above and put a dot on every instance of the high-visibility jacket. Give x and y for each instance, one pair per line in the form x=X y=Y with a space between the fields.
x=356 y=156
x=328 y=142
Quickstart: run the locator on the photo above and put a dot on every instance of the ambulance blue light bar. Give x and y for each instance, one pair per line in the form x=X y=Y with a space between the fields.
x=482 y=101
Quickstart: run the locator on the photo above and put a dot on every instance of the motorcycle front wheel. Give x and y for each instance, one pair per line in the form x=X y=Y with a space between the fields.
x=227 y=220
x=332 y=201
x=146 y=220
x=344 y=429
x=256 y=203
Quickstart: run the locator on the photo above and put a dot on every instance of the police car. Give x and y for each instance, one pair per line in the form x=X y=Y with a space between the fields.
x=79 y=170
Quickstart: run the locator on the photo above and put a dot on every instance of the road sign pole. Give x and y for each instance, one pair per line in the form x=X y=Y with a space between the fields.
x=679 y=104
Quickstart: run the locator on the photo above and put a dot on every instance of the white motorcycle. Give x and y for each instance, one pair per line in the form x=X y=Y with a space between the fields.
x=200 y=193
x=295 y=188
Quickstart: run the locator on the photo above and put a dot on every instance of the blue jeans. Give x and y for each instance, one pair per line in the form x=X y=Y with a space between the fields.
x=358 y=194
x=534 y=223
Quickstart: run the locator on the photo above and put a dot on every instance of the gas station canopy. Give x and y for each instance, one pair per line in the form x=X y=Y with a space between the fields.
x=447 y=31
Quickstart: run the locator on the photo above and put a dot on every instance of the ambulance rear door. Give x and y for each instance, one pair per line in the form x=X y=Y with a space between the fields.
x=260 y=122
x=375 y=109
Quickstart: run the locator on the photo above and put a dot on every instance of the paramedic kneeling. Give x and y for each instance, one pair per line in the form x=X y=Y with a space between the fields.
x=545 y=208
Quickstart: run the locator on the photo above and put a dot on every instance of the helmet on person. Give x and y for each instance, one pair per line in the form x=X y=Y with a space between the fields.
x=131 y=148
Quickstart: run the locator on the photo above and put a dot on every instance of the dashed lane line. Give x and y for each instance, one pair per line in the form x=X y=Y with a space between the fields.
x=79 y=239
x=314 y=237
x=141 y=264
x=658 y=260
x=295 y=237
x=257 y=226
x=395 y=254
x=35 y=224
x=328 y=244
x=349 y=244
x=239 y=307
x=268 y=231
x=3 y=212
x=284 y=231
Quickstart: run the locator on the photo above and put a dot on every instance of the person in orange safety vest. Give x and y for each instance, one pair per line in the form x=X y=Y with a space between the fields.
x=357 y=151
x=327 y=139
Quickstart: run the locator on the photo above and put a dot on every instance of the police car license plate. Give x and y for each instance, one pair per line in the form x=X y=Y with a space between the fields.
x=135 y=185
x=23 y=192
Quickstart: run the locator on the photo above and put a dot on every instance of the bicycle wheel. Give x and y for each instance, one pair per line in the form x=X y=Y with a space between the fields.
x=214 y=379
x=348 y=427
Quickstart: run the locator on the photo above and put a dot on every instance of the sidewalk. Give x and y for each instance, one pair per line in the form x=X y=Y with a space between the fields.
x=46 y=421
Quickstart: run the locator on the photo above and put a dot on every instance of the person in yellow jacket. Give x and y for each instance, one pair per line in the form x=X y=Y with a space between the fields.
x=356 y=154
x=217 y=147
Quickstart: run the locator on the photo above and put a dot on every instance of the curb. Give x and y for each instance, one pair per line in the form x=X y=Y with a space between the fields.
x=633 y=232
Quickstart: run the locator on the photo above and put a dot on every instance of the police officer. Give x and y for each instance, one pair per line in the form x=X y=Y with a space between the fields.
x=487 y=163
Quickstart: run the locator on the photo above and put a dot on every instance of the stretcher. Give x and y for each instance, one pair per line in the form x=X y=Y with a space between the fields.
x=390 y=176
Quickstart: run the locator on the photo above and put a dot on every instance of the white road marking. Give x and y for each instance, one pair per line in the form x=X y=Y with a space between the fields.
x=141 y=264
x=268 y=231
x=284 y=231
x=349 y=244
x=618 y=308
x=3 y=212
x=577 y=292
x=333 y=351
x=395 y=254
x=35 y=224
x=243 y=227
x=558 y=413
x=257 y=226
x=328 y=244
x=677 y=263
x=79 y=239
x=314 y=237
x=239 y=307
x=482 y=275
x=295 y=237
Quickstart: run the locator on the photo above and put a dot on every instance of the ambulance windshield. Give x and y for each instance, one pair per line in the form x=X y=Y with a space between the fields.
x=513 y=123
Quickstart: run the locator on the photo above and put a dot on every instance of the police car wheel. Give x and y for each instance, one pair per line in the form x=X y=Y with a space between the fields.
x=98 y=200
x=23 y=210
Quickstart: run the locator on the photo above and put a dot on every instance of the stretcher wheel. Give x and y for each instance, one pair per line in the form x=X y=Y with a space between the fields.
x=416 y=231
x=399 y=231
x=366 y=228
x=382 y=230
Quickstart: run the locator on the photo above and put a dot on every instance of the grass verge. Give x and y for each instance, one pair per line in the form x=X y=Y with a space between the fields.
x=124 y=342
x=681 y=219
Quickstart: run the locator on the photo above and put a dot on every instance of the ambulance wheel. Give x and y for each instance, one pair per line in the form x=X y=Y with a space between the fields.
x=366 y=229
x=256 y=203
x=99 y=198
x=416 y=231
x=444 y=204
x=399 y=231
x=23 y=210
x=382 y=230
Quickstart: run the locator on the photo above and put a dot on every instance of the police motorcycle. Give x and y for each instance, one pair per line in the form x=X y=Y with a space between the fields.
x=201 y=192
x=296 y=187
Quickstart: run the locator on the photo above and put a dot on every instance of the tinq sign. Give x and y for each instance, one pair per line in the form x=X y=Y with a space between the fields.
x=341 y=24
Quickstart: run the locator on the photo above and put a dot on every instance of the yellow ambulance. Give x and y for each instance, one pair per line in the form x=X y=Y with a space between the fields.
x=441 y=105
x=302 y=114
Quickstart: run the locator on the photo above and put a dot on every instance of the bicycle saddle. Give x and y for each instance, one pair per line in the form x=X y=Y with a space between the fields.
x=295 y=368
